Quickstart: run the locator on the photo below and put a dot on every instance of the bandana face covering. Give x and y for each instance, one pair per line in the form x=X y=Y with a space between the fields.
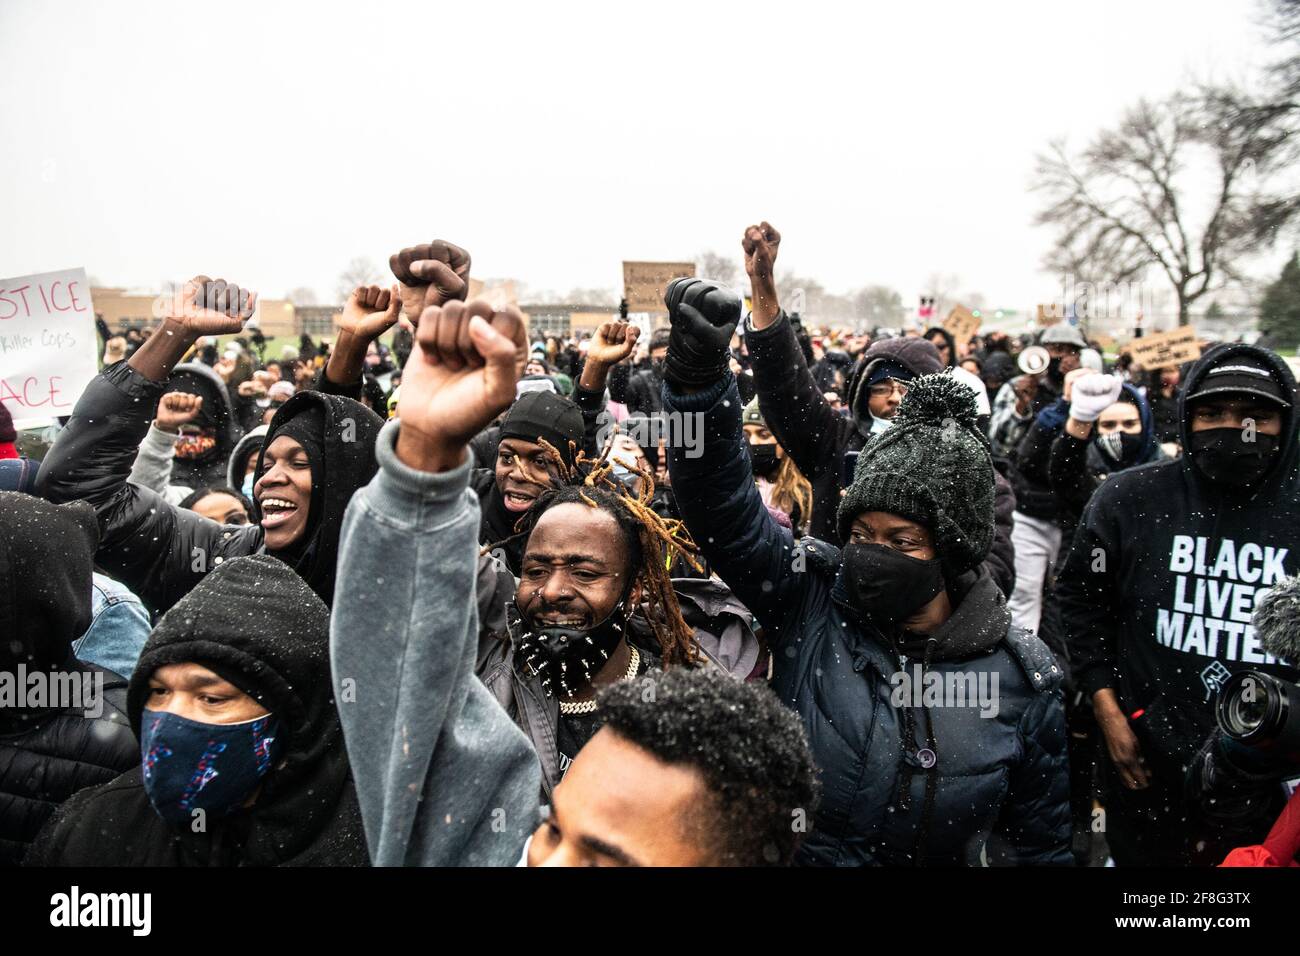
x=887 y=585
x=566 y=658
x=188 y=765
x=1120 y=447
x=195 y=446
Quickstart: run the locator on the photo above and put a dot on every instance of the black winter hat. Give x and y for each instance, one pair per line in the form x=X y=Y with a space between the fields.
x=933 y=467
x=538 y=415
x=256 y=624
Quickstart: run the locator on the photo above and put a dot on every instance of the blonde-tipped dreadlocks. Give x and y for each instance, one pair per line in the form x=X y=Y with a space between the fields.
x=660 y=539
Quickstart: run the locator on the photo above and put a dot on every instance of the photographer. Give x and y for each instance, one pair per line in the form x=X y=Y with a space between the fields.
x=1237 y=784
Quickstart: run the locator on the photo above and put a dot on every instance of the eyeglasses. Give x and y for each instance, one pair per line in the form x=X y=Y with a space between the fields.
x=888 y=387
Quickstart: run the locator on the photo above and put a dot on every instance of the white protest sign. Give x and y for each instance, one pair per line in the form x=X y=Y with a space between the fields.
x=48 y=346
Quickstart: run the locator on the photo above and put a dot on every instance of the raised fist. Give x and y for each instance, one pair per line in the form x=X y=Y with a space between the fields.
x=210 y=307
x=1093 y=394
x=613 y=342
x=760 y=244
x=703 y=314
x=460 y=376
x=176 y=409
x=370 y=311
x=431 y=274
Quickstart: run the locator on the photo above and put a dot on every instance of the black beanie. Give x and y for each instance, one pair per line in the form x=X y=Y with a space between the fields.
x=545 y=415
x=931 y=466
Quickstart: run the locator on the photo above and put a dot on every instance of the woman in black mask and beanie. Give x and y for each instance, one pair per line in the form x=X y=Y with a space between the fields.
x=242 y=761
x=937 y=725
x=318 y=450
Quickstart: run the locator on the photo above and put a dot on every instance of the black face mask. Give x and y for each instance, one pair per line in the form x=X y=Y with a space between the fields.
x=1120 y=448
x=887 y=585
x=764 y=460
x=1223 y=457
x=657 y=366
x=566 y=658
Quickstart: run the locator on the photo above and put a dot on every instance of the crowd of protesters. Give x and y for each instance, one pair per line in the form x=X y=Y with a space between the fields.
x=739 y=591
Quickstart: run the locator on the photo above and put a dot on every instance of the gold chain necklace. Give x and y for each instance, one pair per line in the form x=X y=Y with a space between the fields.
x=587 y=706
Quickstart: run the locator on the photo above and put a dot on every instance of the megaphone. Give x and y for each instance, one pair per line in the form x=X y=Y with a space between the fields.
x=1034 y=360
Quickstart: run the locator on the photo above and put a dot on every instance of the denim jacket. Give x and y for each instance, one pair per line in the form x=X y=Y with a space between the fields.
x=118 y=628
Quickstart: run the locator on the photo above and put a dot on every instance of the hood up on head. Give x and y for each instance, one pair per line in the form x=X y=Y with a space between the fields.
x=347 y=463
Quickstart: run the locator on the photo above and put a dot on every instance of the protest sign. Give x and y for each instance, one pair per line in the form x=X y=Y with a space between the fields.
x=48 y=345
x=1050 y=314
x=1165 y=349
x=644 y=283
x=962 y=324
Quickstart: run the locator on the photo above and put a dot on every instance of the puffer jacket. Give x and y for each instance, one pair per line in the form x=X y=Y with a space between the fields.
x=159 y=551
x=903 y=784
x=58 y=753
x=68 y=729
x=819 y=438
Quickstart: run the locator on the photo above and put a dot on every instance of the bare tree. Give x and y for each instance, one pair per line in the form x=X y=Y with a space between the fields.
x=880 y=307
x=303 y=295
x=1121 y=205
x=711 y=265
x=360 y=271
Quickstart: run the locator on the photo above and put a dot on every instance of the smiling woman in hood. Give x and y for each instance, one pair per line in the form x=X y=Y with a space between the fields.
x=161 y=552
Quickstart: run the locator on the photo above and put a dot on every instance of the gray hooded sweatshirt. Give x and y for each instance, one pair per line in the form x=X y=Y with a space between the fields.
x=443 y=775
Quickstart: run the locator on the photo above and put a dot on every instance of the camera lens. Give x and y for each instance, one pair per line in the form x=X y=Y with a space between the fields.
x=1248 y=708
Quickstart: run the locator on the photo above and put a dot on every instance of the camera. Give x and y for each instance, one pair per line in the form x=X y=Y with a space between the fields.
x=1261 y=711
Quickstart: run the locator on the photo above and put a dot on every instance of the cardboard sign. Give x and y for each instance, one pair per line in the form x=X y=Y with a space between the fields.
x=644 y=283
x=962 y=324
x=1050 y=314
x=1164 y=349
x=48 y=346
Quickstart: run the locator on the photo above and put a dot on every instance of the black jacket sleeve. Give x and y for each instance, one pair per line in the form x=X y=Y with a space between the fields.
x=724 y=512
x=792 y=404
x=1068 y=471
x=1001 y=560
x=1087 y=588
x=594 y=419
x=155 y=549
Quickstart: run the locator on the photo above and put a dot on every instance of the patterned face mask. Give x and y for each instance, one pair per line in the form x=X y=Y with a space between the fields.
x=189 y=766
x=195 y=446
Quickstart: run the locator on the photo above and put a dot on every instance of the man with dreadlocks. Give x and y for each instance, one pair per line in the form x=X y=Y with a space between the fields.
x=695 y=769
x=594 y=607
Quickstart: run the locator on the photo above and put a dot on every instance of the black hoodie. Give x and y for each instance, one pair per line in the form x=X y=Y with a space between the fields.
x=195 y=378
x=306 y=812
x=1157 y=592
x=50 y=749
x=157 y=550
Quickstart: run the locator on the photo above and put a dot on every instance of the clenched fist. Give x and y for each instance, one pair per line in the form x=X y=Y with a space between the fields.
x=703 y=314
x=176 y=409
x=370 y=312
x=613 y=342
x=461 y=374
x=430 y=274
x=760 y=244
x=210 y=307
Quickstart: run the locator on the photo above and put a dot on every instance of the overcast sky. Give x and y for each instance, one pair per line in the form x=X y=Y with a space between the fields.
x=272 y=143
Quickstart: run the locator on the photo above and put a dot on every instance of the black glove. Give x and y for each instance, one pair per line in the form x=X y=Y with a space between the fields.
x=704 y=315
